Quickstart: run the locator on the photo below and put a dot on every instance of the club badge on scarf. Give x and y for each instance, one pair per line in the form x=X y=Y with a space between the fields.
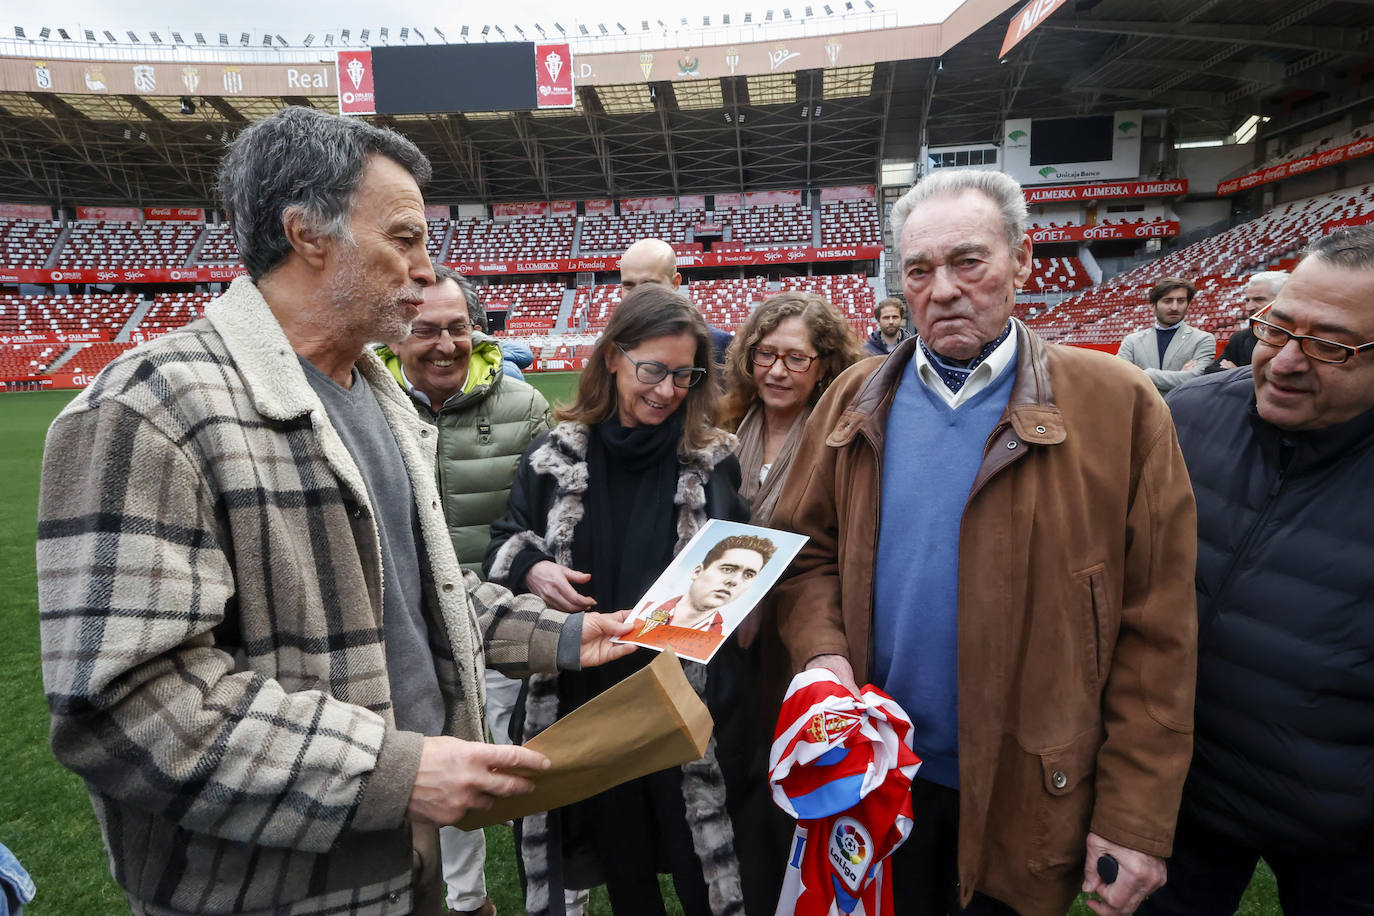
x=842 y=766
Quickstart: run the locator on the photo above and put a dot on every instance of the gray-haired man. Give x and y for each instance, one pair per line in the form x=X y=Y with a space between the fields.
x=258 y=647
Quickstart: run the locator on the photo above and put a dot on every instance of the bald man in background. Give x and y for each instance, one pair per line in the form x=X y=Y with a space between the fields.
x=654 y=261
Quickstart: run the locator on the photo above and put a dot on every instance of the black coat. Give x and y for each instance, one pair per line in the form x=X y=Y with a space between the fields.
x=1284 y=750
x=1239 y=350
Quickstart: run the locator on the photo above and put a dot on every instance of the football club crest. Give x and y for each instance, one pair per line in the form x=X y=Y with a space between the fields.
x=832 y=49
x=145 y=80
x=732 y=58
x=42 y=76
x=553 y=63
x=356 y=72
x=689 y=66
x=233 y=80
x=646 y=63
x=95 y=79
x=190 y=78
x=827 y=727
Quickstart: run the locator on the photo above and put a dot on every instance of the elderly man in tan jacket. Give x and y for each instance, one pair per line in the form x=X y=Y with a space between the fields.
x=1002 y=538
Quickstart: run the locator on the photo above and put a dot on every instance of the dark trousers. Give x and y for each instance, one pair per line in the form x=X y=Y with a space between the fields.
x=925 y=869
x=1208 y=874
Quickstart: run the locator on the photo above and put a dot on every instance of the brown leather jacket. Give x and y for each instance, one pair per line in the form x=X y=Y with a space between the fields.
x=1077 y=622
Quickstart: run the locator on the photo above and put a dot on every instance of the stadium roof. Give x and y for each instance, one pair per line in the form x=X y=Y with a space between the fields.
x=1208 y=63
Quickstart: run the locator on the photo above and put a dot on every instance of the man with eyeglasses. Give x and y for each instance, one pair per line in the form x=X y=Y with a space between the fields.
x=1259 y=292
x=1281 y=456
x=455 y=375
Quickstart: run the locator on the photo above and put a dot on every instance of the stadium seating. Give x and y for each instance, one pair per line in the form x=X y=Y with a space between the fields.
x=219 y=247
x=18 y=361
x=850 y=222
x=521 y=238
x=65 y=314
x=726 y=303
x=173 y=310
x=524 y=300
x=607 y=233
x=771 y=226
x=850 y=293
x=1057 y=275
x=592 y=307
x=91 y=358
x=100 y=244
x=26 y=243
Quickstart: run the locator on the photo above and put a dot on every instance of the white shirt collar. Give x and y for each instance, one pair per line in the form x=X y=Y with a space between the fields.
x=988 y=370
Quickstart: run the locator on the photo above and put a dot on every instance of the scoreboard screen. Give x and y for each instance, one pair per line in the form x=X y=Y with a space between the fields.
x=430 y=79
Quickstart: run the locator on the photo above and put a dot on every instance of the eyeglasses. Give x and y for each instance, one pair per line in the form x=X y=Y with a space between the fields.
x=431 y=332
x=1318 y=348
x=651 y=373
x=792 y=361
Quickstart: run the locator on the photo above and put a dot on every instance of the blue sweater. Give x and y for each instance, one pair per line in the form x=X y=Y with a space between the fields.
x=931 y=456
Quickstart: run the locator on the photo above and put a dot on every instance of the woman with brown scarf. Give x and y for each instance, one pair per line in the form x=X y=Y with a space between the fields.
x=782 y=359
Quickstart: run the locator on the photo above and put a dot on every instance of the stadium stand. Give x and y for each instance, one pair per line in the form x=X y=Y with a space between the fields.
x=173 y=310
x=64 y=315
x=606 y=233
x=592 y=307
x=770 y=226
x=91 y=358
x=524 y=300
x=18 y=361
x=1057 y=275
x=219 y=247
x=521 y=238
x=108 y=244
x=850 y=222
x=850 y=293
x=726 y=303
x=27 y=243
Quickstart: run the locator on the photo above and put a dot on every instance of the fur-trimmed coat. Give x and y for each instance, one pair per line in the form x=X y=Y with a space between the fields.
x=725 y=792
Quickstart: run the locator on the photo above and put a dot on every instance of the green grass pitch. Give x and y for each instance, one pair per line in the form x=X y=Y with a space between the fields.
x=45 y=817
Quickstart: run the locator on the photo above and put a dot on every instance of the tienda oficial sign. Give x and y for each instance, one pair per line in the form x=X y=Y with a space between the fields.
x=356 y=95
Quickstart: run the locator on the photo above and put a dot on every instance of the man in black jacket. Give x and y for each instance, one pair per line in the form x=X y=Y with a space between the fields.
x=1259 y=292
x=1281 y=457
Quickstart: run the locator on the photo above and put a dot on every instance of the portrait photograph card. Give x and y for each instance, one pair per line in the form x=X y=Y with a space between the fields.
x=710 y=587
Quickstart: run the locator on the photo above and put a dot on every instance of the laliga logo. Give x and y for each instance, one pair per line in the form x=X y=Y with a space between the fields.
x=850 y=849
x=554 y=64
x=355 y=72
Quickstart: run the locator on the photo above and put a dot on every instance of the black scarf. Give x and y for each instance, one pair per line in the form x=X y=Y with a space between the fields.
x=628 y=534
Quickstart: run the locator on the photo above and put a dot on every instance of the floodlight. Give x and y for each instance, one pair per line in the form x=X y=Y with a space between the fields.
x=63 y=33
x=868 y=3
x=540 y=29
x=807 y=12
x=604 y=30
x=768 y=16
x=329 y=39
x=644 y=25
x=143 y=135
x=200 y=38
x=684 y=22
x=224 y=39
x=828 y=10
x=19 y=31
x=176 y=39
x=132 y=37
x=281 y=41
x=748 y=18
x=44 y=32
x=364 y=35
x=440 y=32
x=188 y=107
x=383 y=32
x=267 y=41
x=705 y=22
x=343 y=36
x=309 y=39
x=244 y=38
x=848 y=6
x=485 y=30
x=128 y=134
x=499 y=31
x=90 y=35
x=583 y=30
x=521 y=31
x=561 y=30
x=621 y=26
x=662 y=26
x=109 y=36
x=405 y=33
x=725 y=17
x=463 y=33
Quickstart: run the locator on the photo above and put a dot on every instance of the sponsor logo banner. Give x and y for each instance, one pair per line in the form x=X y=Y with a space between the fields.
x=25 y=211
x=708 y=228
x=1125 y=189
x=639 y=204
x=174 y=214
x=530 y=324
x=1284 y=170
x=1025 y=22
x=1093 y=233
x=47 y=337
x=553 y=75
x=692 y=201
x=356 y=95
x=563 y=208
x=729 y=200
x=693 y=259
x=126 y=275
x=523 y=208
x=599 y=206
x=856 y=192
x=767 y=198
x=436 y=211
x=1346 y=223
x=122 y=214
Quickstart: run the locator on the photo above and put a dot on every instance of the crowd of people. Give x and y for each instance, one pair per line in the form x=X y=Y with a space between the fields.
x=303 y=598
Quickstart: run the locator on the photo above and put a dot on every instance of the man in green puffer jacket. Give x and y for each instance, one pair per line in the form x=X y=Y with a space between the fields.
x=485 y=419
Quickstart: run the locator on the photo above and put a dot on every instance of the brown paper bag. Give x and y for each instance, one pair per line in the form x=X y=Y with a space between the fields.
x=648 y=722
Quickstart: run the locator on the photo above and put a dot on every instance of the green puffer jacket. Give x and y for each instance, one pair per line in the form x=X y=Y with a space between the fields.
x=481 y=435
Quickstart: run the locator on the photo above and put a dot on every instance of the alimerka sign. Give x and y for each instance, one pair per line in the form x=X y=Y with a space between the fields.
x=1118 y=191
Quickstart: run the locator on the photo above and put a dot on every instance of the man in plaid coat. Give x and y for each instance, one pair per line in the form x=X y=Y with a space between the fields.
x=259 y=650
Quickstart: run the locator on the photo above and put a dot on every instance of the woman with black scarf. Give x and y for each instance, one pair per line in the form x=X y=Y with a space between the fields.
x=599 y=508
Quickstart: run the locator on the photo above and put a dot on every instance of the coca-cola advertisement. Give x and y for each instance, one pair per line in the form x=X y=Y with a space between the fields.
x=117 y=214
x=853 y=192
x=563 y=208
x=770 y=198
x=25 y=211
x=553 y=75
x=640 y=204
x=174 y=214
x=593 y=207
x=1320 y=160
x=436 y=211
x=521 y=208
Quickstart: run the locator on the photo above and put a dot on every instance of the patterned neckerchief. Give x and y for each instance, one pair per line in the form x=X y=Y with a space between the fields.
x=951 y=372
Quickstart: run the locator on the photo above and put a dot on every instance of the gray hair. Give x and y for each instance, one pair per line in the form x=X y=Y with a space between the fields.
x=476 y=314
x=304 y=161
x=998 y=187
x=1351 y=248
x=1273 y=278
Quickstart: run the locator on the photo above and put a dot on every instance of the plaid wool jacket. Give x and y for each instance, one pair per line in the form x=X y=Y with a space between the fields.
x=210 y=602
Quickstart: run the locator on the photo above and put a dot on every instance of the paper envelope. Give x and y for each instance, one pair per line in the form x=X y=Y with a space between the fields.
x=648 y=722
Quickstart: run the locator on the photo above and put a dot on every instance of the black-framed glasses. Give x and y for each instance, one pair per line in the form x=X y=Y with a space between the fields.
x=651 y=373
x=1318 y=348
x=792 y=361
x=433 y=332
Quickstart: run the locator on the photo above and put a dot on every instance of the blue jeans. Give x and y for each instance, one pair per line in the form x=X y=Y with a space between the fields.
x=16 y=887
